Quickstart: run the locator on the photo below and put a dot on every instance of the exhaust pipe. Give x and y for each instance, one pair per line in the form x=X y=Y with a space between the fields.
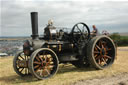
x=34 y=22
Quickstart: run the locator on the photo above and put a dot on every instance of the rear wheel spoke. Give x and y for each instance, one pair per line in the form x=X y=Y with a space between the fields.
x=109 y=49
x=108 y=56
x=104 y=43
x=98 y=47
x=98 y=57
x=96 y=52
x=102 y=46
x=99 y=62
x=100 y=43
x=104 y=61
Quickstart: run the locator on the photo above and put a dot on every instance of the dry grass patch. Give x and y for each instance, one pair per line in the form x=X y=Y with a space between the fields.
x=66 y=75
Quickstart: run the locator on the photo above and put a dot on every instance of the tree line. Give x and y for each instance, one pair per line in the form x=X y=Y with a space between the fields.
x=119 y=40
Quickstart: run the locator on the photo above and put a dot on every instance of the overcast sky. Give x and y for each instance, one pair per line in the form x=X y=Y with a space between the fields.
x=106 y=15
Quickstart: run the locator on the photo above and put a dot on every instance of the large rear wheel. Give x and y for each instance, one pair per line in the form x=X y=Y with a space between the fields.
x=43 y=63
x=101 y=52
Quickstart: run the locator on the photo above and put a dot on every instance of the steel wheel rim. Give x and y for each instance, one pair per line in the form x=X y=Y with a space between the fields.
x=104 y=52
x=21 y=70
x=45 y=64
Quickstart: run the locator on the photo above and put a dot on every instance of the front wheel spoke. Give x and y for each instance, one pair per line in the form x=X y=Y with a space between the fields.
x=36 y=62
x=47 y=63
x=50 y=59
x=28 y=70
x=47 y=71
x=49 y=56
x=51 y=62
x=18 y=59
x=50 y=67
x=22 y=57
x=25 y=70
x=25 y=57
x=43 y=54
x=37 y=69
x=45 y=58
x=37 y=58
x=21 y=70
x=42 y=72
x=41 y=59
x=36 y=66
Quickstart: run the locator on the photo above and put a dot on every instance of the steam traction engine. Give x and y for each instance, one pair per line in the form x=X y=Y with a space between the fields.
x=41 y=55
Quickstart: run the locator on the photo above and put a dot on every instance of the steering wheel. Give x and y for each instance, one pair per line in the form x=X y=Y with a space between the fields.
x=80 y=33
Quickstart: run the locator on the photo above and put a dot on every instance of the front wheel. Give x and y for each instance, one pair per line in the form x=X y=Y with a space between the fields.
x=101 y=52
x=43 y=63
x=20 y=64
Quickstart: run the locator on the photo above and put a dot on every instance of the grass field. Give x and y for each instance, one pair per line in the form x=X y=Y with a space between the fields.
x=66 y=75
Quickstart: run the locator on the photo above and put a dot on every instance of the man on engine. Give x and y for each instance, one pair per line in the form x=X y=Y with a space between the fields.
x=50 y=30
x=95 y=30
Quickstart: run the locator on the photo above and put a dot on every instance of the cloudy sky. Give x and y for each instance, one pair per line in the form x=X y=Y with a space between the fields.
x=106 y=15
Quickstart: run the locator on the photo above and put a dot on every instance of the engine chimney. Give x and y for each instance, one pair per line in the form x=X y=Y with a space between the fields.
x=34 y=22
